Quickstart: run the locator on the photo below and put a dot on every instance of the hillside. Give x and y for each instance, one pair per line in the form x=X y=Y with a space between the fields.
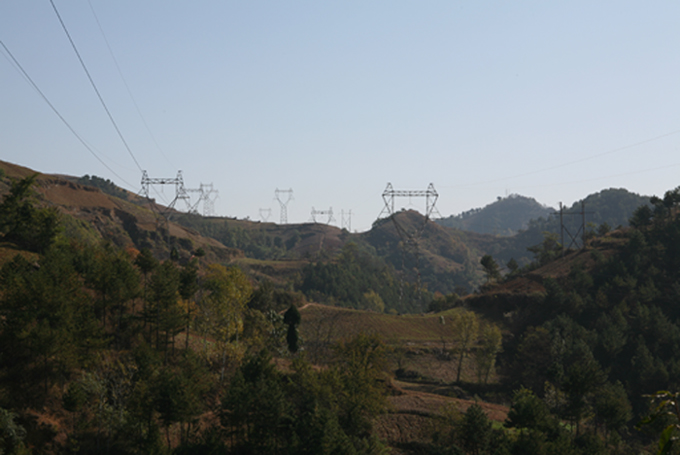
x=445 y=260
x=604 y=210
x=106 y=346
x=91 y=215
x=444 y=257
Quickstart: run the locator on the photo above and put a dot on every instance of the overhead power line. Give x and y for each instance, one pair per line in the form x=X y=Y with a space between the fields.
x=61 y=117
x=94 y=86
x=120 y=72
x=569 y=163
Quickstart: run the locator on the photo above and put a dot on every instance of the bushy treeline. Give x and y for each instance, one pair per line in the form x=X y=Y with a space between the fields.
x=106 y=350
x=604 y=211
x=506 y=216
x=255 y=243
x=96 y=343
x=360 y=280
x=106 y=185
x=530 y=429
x=22 y=222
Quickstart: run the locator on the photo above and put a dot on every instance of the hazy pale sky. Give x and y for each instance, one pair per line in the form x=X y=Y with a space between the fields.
x=552 y=100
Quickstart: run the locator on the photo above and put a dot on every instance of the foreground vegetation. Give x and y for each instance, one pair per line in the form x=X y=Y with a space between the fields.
x=108 y=350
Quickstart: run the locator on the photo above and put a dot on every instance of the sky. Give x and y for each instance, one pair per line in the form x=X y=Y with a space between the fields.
x=334 y=100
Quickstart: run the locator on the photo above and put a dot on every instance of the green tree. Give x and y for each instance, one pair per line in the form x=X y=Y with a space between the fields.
x=372 y=301
x=113 y=277
x=146 y=264
x=255 y=411
x=292 y=318
x=533 y=360
x=612 y=408
x=490 y=268
x=465 y=331
x=359 y=364
x=12 y=434
x=547 y=250
x=222 y=307
x=46 y=324
x=529 y=412
x=163 y=304
x=188 y=288
x=22 y=222
x=180 y=394
x=641 y=217
x=485 y=355
x=474 y=431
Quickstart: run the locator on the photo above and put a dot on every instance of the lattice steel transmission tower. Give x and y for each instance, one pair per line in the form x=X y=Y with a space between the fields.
x=328 y=213
x=210 y=195
x=180 y=191
x=573 y=239
x=265 y=214
x=284 y=197
x=410 y=237
x=346 y=220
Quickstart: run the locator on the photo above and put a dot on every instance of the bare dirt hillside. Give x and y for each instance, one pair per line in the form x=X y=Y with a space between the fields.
x=91 y=215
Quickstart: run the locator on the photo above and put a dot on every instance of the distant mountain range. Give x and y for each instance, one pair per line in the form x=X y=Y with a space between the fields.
x=510 y=215
x=505 y=216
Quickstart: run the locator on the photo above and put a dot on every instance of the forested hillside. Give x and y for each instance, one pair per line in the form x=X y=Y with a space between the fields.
x=504 y=217
x=112 y=347
x=109 y=350
x=603 y=211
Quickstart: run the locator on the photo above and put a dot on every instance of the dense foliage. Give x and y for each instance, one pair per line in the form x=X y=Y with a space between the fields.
x=255 y=243
x=22 y=222
x=589 y=349
x=107 y=350
x=357 y=279
x=112 y=351
x=505 y=216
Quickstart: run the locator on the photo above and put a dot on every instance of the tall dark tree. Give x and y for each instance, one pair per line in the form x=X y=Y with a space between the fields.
x=490 y=268
x=22 y=222
x=292 y=318
x=188 y=287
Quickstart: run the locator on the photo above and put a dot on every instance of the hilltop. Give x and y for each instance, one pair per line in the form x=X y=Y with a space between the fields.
x=506 y=216
x=91 y=215
x=440 y=260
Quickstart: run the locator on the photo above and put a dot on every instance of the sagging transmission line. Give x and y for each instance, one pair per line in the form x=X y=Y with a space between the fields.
x=410 y=236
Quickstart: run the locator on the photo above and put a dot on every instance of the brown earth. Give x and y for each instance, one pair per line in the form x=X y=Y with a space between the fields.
x=128 y=223
x=414 y=416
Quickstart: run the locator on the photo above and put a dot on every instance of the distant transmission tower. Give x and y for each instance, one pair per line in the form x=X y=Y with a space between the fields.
x=210 y=195
x=346 y=220
x=265 y=214
x=573 y=239
x=284 y=197
x=328 y=213
x=207 y=195
x=410 y=237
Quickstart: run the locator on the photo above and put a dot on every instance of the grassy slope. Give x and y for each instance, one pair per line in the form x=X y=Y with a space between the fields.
x=416 y=329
